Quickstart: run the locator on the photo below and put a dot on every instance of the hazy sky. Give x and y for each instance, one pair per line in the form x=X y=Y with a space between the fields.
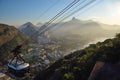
x=17 y=12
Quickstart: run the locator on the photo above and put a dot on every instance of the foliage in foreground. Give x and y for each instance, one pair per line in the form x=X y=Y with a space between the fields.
x=78 y=65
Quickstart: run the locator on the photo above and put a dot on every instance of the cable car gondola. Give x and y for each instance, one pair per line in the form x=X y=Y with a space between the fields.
x=17 y=65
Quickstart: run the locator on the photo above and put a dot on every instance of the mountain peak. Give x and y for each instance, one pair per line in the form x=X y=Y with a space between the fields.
x=75 y=20
x=28 y=28
x=28 y=24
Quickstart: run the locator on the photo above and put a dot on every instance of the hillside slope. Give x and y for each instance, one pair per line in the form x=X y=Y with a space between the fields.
x=78 y=65
x=10 y=37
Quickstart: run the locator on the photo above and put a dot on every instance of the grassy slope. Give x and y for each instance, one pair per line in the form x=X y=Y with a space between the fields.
x=78 y=65
x=10 y=37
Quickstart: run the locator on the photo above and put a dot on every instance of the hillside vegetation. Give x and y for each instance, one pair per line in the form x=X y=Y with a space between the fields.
x=79 y=64
x=10 y=37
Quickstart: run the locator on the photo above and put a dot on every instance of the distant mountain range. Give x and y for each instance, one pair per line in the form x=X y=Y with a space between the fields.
x=84 y=28
x=74 y=26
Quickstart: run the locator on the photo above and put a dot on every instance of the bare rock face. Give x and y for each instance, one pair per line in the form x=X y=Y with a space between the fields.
x=105 y=71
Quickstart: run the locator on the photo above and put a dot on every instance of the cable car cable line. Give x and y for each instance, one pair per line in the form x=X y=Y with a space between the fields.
x=72 y=9
x=48 y=9
x=70 y=14
x=56 y=16
x=59 y=21
x=87 y=9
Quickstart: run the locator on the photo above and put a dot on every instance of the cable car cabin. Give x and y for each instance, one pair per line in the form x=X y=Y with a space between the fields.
x=18 y=70
x=17 y=65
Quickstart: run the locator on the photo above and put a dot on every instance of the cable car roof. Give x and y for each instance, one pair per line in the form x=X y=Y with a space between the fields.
x=19 y=67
